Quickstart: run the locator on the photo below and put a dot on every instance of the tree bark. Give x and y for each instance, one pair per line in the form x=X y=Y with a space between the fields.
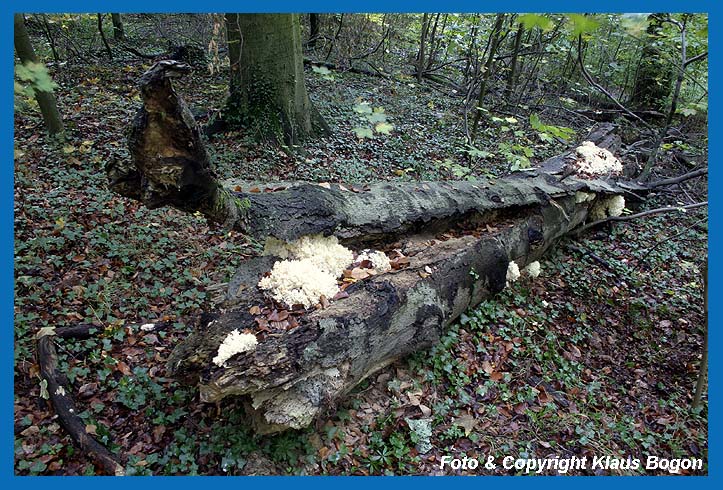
x=118 y=32
x=512 y=75
x=314 y=29
x=422 y=46
x=267 y=92
x=486 y=76
x=46 y=100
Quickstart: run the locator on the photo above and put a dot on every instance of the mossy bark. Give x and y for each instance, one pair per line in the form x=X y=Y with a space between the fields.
x=46 y=100
x=268 y=96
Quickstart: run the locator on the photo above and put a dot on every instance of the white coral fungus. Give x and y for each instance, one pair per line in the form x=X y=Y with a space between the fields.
x=533 y=269
x=325 y=252
x=581 y=197
x=612 y=206
x=595 y=160
x=380 y=261
x=234 y=343
x=513 y=272
x=299 y=282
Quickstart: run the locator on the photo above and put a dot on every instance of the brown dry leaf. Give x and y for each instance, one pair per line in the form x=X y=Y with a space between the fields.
x=467 y=422
x=575 y=351
x=496 y=376
x=255 y=190
x=340 y=295
x=324 y=302
x=238 y=189
x=255 y=310
x=487 y=367
x=91 y=429
x=123 y=368
x=359 y=274
x=544 y=397
x=423 y=275
x=426 y=411
x=158 y=432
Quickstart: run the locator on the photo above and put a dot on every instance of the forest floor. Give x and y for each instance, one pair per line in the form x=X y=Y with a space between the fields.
x=594 y=357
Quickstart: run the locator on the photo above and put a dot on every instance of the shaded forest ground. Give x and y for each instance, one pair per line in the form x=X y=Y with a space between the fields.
x=595 y=357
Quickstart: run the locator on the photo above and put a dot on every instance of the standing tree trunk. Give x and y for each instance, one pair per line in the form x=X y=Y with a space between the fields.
x=314 y=25
x=103 y=38
x=513 y=63
x=46 y=100
x=703 y=370
x=493 y=45
x=653 y=79
x=118 y=32
x=267 y=92
x=684 y=62
x=422 y=44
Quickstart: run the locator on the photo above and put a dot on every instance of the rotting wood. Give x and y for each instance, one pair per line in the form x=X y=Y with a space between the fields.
x=60 y=396
x=459 y=238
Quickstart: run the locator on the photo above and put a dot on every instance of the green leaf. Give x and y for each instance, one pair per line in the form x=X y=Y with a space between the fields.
x=377 y=117
x=363 y=133
x=582 y=24
x=321 y=70
x=363 y=108
x=383 y=128
x=530 y=21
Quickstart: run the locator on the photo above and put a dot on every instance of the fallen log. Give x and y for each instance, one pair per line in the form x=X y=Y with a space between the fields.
x=461 y=243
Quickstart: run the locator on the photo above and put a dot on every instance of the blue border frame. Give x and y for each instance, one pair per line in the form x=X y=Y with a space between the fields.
x=7 y=234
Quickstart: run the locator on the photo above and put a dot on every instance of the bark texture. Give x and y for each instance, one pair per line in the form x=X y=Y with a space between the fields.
x=268 y=95
x=46 y=100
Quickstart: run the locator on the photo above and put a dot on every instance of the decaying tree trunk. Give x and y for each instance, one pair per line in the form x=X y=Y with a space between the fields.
x=459 y=238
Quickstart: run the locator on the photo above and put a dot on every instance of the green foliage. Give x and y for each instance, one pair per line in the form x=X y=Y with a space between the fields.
x=530 y=21
x=376 y=117
x=547 y=131
x=582 y=25
x=324 y=72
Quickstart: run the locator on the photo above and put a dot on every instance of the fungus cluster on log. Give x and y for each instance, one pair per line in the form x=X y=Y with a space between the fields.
x=425 y=252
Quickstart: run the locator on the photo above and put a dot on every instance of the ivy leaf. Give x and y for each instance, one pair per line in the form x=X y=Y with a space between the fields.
x=383 y=128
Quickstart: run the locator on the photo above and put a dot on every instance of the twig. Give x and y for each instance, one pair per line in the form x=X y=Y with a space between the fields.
x=592 y=255
x=640 y=215
x=667 y=239
x=679 y=179
x=63 y=403
x=602 y=89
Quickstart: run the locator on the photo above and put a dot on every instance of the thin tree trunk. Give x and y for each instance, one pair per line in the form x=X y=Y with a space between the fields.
x=118 y=32
x=313 y=30
x=494 y=44
x=46 y=100
x=102 y=36
x=422 y=45
x=49 y=37
x=513 y=63
x=673 y=105
x=703 y=371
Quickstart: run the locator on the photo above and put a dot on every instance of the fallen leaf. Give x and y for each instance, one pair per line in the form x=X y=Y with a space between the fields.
x=467 y=422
